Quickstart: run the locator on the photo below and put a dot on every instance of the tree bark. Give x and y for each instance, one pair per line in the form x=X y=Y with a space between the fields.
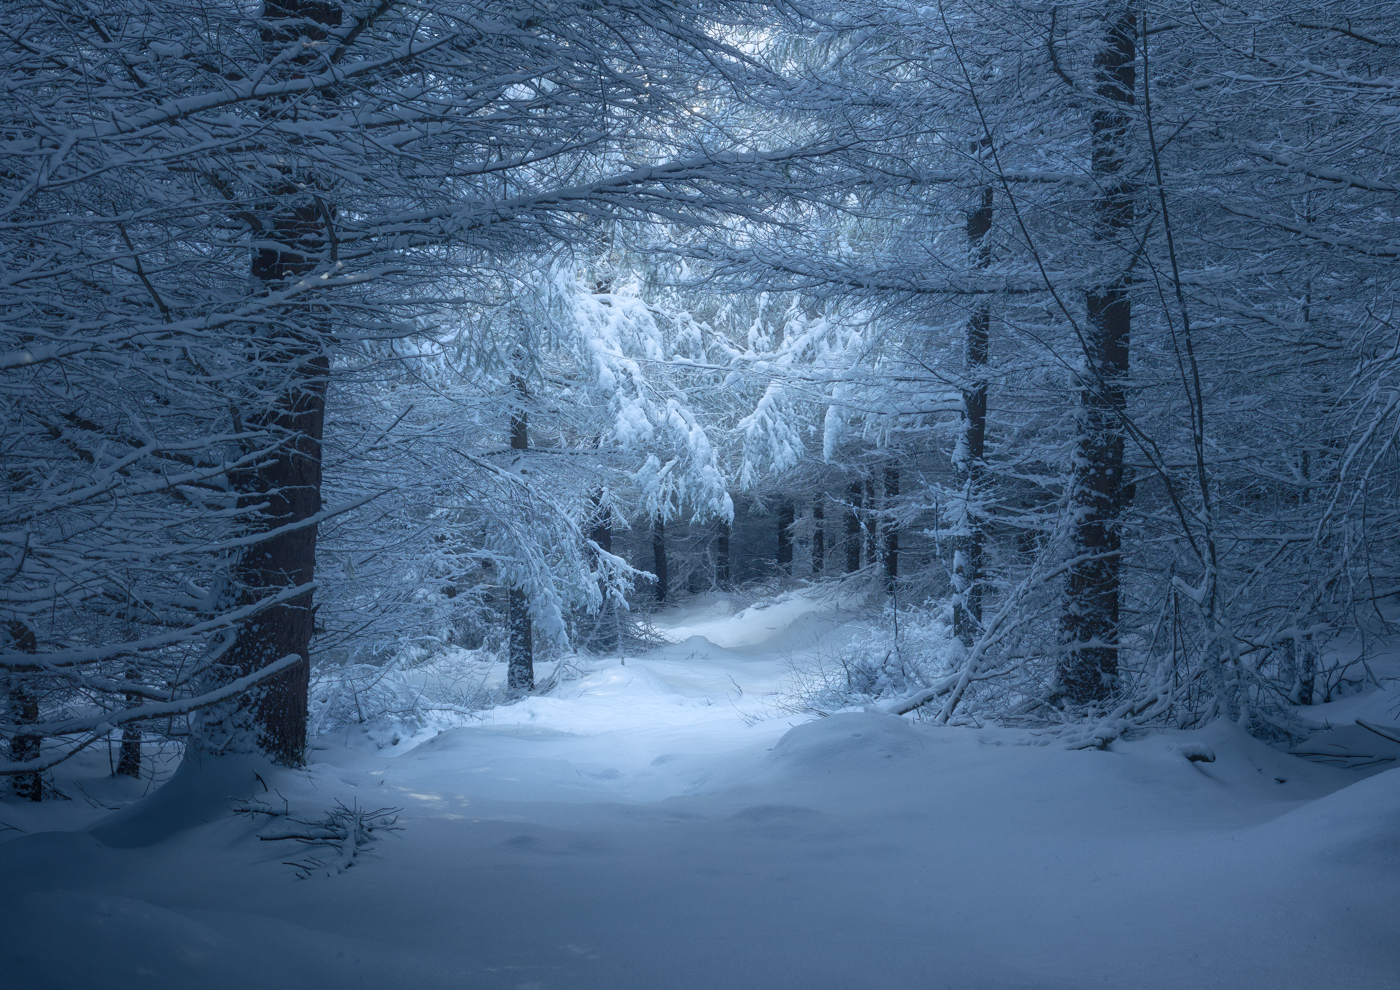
x=286 y=489
x=722 y=555
x=129 y=756
x=891 y=531
x=1088 y=670
x=787 y=515
x=972 y=443
x=658 y=553
x=24 y=709
x=818 y=536
x=604 y=635
x=853 y=529
x=520 y=672
x=873 y=550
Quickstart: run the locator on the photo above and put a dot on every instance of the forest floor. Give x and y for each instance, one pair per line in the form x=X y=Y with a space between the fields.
x=659 y=822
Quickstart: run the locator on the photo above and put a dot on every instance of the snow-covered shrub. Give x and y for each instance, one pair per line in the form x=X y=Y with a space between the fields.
x=900 y=656
x=414 y=689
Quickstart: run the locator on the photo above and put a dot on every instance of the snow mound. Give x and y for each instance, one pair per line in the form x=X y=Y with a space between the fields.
x=200 y=791
x=848 y=741
x=1356 y=826
x=783 y=622
x=633 y=681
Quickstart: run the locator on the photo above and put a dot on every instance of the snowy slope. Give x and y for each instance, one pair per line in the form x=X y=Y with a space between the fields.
x=641 y=829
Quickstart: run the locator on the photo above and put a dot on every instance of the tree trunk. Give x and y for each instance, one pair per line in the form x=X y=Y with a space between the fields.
x=872 y=524
x=891 y=534
x=722 y=555
x=818 y=536
x=787 y=515
x=285 y=489
x=1088 y=670
x=24 y=709
x=604 y=637
x=972 y=443
x=853 y=529
x=129 y=756
x=520 y=674
x=279 y=493
x=658 y=552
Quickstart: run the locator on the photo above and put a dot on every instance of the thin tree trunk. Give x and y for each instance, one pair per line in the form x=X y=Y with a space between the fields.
x=818 y=536
x=972 y=443
x=1088 y=670
x=24 y=709
x=787 y=515
x=520 y=674
x=872 y=524
x=853 y=529
x=604 y=638
x=129 y=756
x=722 y=555
x=891 y=531
x=658 y=553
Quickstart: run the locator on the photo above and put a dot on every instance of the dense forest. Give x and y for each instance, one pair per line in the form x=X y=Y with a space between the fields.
x=346 y=343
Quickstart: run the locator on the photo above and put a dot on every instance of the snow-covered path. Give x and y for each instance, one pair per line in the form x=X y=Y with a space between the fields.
x=640 y=828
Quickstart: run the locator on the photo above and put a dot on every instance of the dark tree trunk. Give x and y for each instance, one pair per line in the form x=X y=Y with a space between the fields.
x=872 y=523
x=658 y=552
x=891 y=533
x=520 y=674
x=129 y=756
x=604 y=638
x=972 y=444
x=1088 y=670
x=787 y=515
x=24 y=709
x=853 y=529
x=722 y=555
x=818 y=536
x=285 y=490
x=601 y=533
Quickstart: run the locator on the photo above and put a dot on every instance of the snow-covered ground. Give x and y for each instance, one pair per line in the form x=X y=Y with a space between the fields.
x=660 y=823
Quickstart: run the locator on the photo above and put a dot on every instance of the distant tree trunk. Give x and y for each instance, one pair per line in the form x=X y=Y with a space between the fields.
x=891 y=530
x=722 y=555
x=853 y=529
x=604 y=638
x=818 y=536
x=129 y=756
x=872 y=523
x=658 y=551
x=787 y=515
x=24 y=709
x=601 y=533
x=972 y=442
x=1088 y=670
x=520 y=674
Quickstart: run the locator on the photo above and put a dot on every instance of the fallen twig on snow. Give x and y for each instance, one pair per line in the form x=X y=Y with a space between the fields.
x=344 y=830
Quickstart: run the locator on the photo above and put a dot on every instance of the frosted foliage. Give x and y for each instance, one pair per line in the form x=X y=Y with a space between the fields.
x=622 y=344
